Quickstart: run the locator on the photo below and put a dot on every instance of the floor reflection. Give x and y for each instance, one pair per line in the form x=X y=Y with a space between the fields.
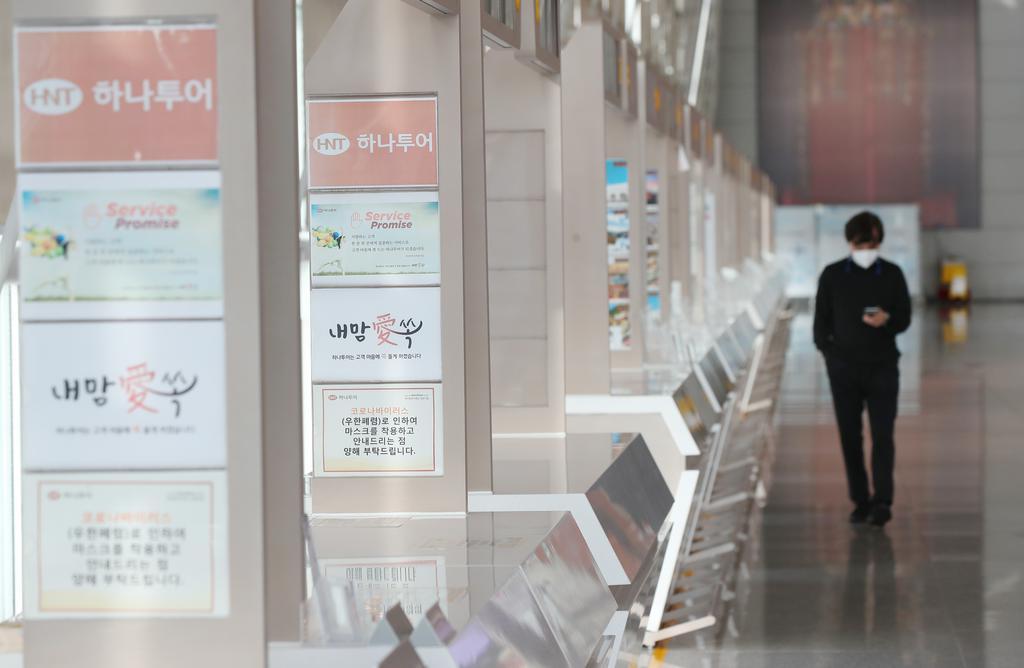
x=943 y=584
x=869 y=593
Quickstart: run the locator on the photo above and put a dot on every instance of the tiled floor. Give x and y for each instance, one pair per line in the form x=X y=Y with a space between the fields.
x=943 y=585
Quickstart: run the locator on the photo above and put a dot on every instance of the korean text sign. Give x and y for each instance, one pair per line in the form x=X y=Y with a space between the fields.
x=144 y=395
x=118 y=94
x=120 y=245
x=374 y=239
x=126 y=545
x=378 y=430
x=384 y=142
x=376 y=334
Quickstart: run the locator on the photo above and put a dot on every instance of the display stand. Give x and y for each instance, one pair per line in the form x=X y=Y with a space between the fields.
x=235 y=49
x=403 y=511
x=523 y=110
x=398 y=69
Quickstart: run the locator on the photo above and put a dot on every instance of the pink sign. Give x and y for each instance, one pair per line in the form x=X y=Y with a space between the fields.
x=384 y=142
x=116 y=94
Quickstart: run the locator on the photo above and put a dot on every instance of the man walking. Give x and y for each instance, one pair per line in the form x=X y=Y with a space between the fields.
x=862 y=304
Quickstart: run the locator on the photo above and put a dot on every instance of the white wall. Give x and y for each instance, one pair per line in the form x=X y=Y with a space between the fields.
x=994 y=252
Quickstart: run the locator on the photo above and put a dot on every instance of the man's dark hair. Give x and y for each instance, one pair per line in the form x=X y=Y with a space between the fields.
x=864 y=228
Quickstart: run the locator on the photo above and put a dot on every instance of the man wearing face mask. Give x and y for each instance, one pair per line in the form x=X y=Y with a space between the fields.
x=862 y=304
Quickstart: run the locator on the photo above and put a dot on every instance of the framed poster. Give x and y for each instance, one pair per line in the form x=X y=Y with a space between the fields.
x=116 y=245
x=374 y=239
x=123 y=395
x=107 y=95
x=376 y=334
x=617 y=194
x=377 y=142
x=653 y=246
x=126 y=545
x=378 y=430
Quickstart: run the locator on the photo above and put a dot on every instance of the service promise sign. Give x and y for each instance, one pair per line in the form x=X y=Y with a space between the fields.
x=378 y=430
x=118 y=94
x=374 y=239
x=129 y=245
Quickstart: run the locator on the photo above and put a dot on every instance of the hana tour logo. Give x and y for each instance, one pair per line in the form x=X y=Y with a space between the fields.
x=331 y=143
x=53 y=97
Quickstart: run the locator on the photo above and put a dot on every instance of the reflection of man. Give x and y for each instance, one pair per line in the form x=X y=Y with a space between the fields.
x=870 y=592
x=862 y=304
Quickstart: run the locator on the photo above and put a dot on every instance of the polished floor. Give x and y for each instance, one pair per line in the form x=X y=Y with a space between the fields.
x=943 y=584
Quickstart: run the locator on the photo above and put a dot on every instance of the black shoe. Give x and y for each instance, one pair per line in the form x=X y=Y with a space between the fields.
x=880 y=515
x=860 y=514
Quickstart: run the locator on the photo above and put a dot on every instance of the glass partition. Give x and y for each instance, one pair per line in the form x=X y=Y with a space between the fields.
x=503 y=10
x=570 y=18
x=500 y=22
x=547 y=28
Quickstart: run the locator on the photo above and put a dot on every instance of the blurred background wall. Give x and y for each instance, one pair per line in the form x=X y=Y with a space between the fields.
x=994 y=249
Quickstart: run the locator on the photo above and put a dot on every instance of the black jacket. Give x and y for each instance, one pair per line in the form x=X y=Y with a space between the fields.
x=844 y=291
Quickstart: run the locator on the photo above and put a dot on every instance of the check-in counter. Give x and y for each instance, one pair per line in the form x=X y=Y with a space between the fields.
x=519 y=584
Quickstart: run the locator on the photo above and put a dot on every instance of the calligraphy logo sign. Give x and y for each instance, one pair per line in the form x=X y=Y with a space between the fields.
x=148 y=395
x=376 y=334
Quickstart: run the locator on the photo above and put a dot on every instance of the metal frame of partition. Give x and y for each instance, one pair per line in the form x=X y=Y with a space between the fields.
x=545 y=38
x=437 y=6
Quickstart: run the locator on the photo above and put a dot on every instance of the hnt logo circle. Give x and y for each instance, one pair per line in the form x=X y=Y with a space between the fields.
x=331 y=143
x=53 y=97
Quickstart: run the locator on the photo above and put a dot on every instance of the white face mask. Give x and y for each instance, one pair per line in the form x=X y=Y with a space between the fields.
x=865 y=257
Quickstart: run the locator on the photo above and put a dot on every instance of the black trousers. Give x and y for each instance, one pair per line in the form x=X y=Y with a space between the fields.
x=877 y=387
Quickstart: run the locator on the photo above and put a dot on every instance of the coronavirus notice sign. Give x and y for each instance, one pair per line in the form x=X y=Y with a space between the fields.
x=378 y=430
x=106 y=545
x=381 y=142
x=116 y=94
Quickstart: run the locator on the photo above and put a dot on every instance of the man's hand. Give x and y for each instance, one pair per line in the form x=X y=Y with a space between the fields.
x=876 y=320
